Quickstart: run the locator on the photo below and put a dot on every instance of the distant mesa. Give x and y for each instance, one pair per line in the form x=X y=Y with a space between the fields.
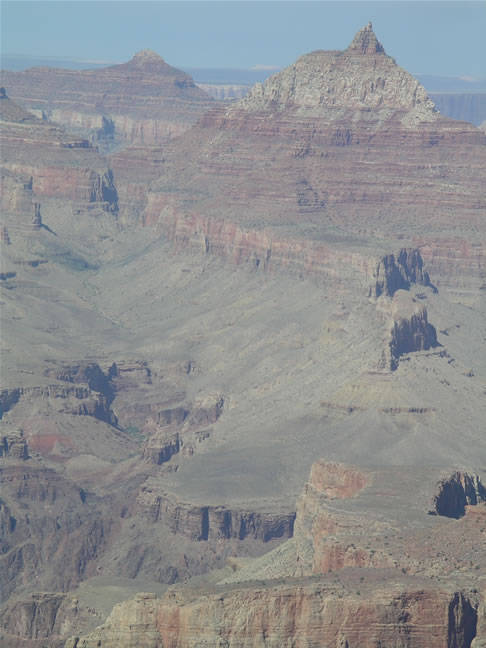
x=144 y=101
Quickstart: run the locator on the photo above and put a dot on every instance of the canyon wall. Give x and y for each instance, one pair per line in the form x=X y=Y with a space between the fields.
x=211 y=523
x=296 y=615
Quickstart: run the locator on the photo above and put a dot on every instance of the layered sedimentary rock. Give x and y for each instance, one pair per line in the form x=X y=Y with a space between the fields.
x=339 y=147
x=44 y=169
x=180 y=428
x=398 y=272
x=332 y=535
x=299 y=616
x=41 y=616
x=144 y=101
x=211 y=523
x=355 y=594
x=72 y=400
x=178 y=403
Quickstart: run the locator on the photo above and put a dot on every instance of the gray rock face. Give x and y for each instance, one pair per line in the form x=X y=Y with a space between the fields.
x=365 y=42
x=338 y=84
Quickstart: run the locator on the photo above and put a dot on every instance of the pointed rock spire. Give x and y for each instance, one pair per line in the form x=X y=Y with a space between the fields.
x=365 y=42
x=147 y=56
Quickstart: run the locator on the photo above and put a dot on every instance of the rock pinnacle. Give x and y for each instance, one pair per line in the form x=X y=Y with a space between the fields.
x=146 y=56
x=365 y=42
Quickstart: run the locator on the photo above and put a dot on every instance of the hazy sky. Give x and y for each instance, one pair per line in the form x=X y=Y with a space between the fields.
x=426 y=37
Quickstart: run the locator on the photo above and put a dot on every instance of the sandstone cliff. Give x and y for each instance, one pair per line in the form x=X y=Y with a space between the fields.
x=298 y=616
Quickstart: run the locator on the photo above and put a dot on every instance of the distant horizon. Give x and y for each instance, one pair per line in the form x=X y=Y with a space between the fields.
x=270 y=69
x=433 y=37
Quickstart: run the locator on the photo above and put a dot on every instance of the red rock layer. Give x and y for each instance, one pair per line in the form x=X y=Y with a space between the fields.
x=337 y=481
x=298 y=616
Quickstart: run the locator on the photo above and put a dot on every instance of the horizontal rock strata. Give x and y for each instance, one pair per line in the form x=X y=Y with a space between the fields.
x=299 y=616
x=143 y=101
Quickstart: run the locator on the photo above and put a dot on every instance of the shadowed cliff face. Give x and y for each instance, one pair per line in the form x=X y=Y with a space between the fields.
x=411 y=330
x=458 y=492
x=398 y=272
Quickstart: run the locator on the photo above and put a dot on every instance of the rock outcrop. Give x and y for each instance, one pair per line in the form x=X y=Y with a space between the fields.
x=43 y=615
x=337 y=481
x=36 y=217
x=333 y=185
x=14 y=445
x=182 y=428
x=48 y=528
x=350 y=577
x=212 y=523
x=330 y=84
x=398 y=272
x=411 y=330
x=80 y=401
x=456 y=493
x=41 y=164
x=279 y=616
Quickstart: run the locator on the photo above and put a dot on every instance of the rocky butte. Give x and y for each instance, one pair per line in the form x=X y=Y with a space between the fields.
x=303 y=278
x=329 y=150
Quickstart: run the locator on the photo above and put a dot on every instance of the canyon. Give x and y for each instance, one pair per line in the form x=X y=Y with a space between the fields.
x=243 y=375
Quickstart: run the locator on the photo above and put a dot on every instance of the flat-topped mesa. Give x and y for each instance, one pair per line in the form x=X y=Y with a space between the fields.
x=360 y=83
x=365 y=42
